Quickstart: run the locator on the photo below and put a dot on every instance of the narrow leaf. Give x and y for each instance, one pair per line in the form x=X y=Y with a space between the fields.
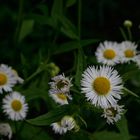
x=68 y=28
x=123 y=128
x=50 y=117
x=72 y=45
x=57 y=8
x=70 y=3
x=125 y=90
x=26 y=29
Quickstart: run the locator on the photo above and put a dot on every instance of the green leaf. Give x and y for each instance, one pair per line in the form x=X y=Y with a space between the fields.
x=52 y=116
x=44 y=9
x=57 y=9
x=30 y=132
x=130 y=74
x=106 y=135
x=26 y=29
x=70 y=3
x=33 y=93
x=127 y=91
x=72 y=45
x=68 y=28
x=123 y=128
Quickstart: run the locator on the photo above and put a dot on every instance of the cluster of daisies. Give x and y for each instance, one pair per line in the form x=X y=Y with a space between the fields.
x=13 y=103
x=60 y=93
x=112 y=53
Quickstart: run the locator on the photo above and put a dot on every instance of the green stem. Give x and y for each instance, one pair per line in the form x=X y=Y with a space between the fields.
x=129 y=33
x=123 y=34
x=19 y=20
x=16 y=131
x=79 y=17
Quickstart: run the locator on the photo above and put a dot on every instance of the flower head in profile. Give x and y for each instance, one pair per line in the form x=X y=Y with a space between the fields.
x=128 y=23
x=108 y=53
x=102 y=86
x=53 y=69
x=7 y=79
x=5 y=130
x=113 y=114
x=67 y=123
x=128 y=51
x=60 y=97
x=18 y=79
x=14 y=106
x=61 y=83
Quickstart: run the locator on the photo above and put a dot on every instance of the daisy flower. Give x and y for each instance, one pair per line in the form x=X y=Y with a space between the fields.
x=7 y=79
x=59 y=97
x=113 y=114
x=102 y=86
x=58 y=129
x=137 y=61
x=67 y=123
x=108 y=53
x=14 y=106
x=128 y=51
x=61 y=82
x=18 y=79
x=5 y=130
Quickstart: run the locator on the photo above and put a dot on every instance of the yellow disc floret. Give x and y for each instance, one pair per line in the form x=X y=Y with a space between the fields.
x=61 y=96
x=129 y=53
x=101 y=85
x=109 y=54
x=3 y=79
x=16 y=105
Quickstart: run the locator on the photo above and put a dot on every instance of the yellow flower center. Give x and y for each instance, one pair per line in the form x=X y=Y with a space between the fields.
x=109 y=54
x=129 y=53
x=61 y=96
x=16 y=105
x=3 y=79
x=101 y=85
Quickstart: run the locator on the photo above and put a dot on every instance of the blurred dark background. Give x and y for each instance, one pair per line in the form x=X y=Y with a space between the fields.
x=100 y=19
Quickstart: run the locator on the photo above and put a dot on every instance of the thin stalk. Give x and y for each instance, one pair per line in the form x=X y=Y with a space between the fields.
x=19 y=20
x=123 y=34
x=129 y=33
x=79 y=17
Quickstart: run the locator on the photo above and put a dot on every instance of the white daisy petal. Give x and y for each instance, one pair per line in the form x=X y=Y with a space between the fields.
x=113 y=114
x=108 y=53
x=128 y=51
x=7 y=79
x=14 y=106
x=67 y=123
x=103 y=87
x=6 y=130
